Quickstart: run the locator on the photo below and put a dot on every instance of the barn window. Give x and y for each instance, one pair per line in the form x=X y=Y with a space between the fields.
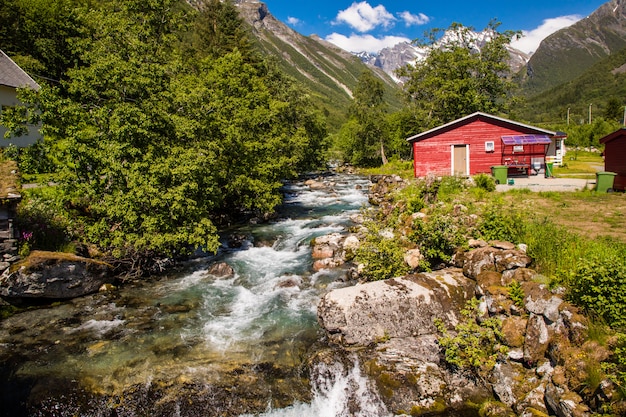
x=490 y=146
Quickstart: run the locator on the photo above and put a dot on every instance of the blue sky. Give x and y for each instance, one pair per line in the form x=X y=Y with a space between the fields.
x=370 y=25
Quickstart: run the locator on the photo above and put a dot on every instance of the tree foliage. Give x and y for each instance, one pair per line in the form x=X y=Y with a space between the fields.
x=39 y=35
x=154 y=146
x=363 y=138
x=458 y=78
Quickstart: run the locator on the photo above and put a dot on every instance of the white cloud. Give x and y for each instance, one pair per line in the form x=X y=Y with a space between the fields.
x=411 y=19
x=530 y=40
x=367 y=43
x=363 y=17
x=293 y=21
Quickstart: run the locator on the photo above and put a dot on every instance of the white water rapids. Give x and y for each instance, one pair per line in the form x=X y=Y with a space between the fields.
x=197 y=335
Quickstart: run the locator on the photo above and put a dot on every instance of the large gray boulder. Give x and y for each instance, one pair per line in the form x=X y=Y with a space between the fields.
x=51 y=275
x=390 y=324
x=399 y=307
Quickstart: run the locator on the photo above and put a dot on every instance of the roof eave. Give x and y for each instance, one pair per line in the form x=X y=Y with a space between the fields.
x=460 y=121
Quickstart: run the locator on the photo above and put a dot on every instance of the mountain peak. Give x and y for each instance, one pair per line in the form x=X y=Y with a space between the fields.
x=569 y=52
x=391 y=58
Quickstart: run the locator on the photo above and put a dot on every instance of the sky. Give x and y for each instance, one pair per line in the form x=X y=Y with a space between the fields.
x=371 y=25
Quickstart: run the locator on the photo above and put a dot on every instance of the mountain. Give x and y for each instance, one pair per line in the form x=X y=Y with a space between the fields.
x=328 y=72
x=391 y=58
x=569 y=52
x=598 y=85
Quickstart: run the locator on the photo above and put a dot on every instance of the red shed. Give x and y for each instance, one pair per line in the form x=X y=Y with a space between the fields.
x=474 y=143
x=615 y=157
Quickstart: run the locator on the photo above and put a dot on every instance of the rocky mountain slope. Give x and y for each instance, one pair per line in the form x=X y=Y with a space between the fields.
x=392 y=58
x=329 y=72
x=569 y=52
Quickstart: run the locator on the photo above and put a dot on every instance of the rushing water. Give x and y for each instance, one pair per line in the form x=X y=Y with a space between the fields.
x=191 y=343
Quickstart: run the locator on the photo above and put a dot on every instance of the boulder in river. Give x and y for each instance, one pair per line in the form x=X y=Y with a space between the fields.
x=53 y=275
x=392 y=324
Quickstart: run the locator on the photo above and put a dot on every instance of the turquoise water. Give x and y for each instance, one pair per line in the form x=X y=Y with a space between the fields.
x=191 y=340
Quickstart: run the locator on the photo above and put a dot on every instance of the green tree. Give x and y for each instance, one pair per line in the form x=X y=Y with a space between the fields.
x=614 y=110
x=364 y=136
x=402 y=124
x=38 y=35
x=218 y=30
x=153 y=150
x=457 y=78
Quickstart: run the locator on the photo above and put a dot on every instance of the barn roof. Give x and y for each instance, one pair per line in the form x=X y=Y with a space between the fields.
x=611 y=136
x=12 y=75
x=480 y=116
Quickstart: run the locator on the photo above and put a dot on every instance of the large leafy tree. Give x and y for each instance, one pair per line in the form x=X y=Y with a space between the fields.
x=364 y=136
x=38 y=35
x=153 y=147
x=458 y=78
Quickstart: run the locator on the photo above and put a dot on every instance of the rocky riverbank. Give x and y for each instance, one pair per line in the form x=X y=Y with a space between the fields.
x=544 y=360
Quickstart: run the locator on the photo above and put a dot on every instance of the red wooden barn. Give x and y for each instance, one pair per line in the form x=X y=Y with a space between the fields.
x=474 y=143
x=615 y=157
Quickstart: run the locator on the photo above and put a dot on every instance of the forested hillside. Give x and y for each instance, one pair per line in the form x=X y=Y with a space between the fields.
x=569 y=52
x=603 y=87
x=330 y=73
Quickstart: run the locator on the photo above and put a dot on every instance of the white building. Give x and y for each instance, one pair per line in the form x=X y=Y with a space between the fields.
x=13 y=77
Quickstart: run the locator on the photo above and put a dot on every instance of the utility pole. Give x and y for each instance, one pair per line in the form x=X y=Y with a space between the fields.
x=568 y=114
x=590 y=113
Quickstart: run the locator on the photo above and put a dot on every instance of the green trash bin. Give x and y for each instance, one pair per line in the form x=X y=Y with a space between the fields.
x=549 y=168
x=500 y=172
x=604 y=181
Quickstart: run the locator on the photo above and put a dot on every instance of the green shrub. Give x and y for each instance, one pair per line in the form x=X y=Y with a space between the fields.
x=382 y=257
x=477 y=343
x=450 y=187
x=485 y=182
x=552 y=247
x=616 y=369
x=413 y=196
x=598 y=284
x=499 y=224
x=438 y=237
x=516 y=293
x=41 y=225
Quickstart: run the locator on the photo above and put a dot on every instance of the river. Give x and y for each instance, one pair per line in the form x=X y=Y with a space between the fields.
x=193 y=344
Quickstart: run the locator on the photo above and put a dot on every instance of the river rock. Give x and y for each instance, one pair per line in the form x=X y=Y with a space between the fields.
x=565 y=403
x=413 y=258
x=326 y=246
x=389 y=324
x=221 y=270
x=504 y=378
x=351 y=244
x=315 y=184
x=514 y=331
x=51 y=275
x=537 y=339
x=327 y=251
x=399 y=307
x=490 y=258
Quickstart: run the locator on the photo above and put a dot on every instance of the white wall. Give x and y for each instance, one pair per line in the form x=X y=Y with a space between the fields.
x=8 y=97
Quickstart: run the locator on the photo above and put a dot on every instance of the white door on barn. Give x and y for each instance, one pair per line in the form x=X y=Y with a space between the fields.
x=460 y=160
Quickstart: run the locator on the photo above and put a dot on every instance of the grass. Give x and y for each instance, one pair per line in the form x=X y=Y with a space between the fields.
x=584 y=213
x=580 y=164
x=402 y=168
x=37 y=258
x=9 y=178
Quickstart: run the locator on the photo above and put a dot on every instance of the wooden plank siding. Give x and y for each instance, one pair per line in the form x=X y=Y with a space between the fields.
x=615 y=157
x=433 y=154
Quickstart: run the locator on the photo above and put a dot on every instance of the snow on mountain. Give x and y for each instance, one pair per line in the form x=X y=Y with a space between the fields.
x=391 y=58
